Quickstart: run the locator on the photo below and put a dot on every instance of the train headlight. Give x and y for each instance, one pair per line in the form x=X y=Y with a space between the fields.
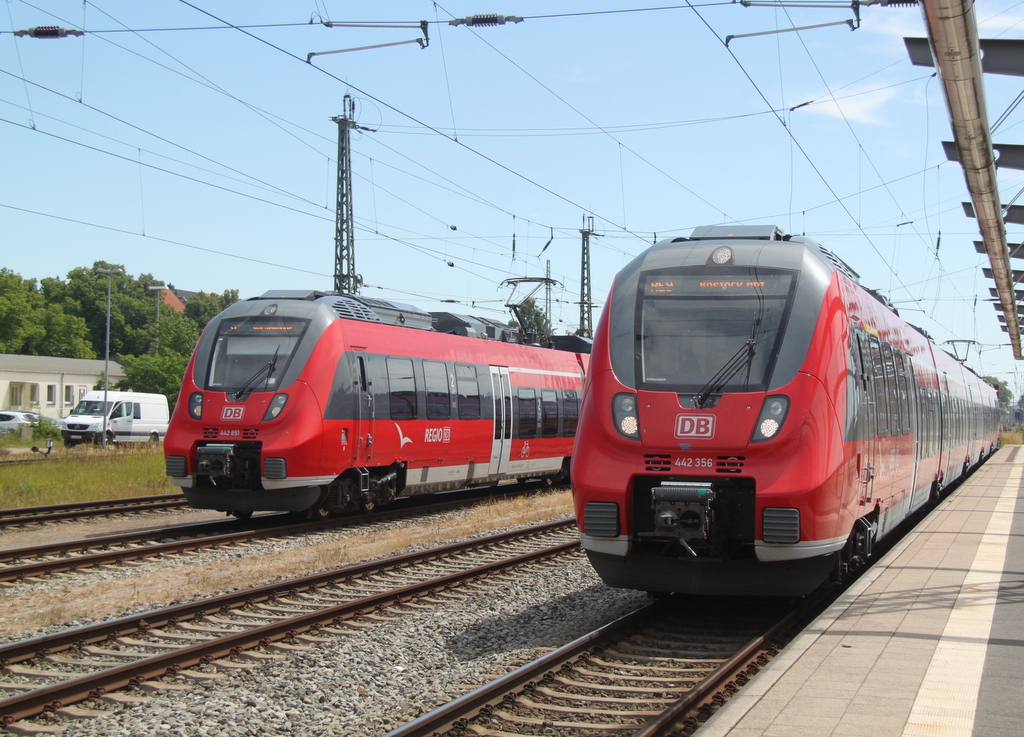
x=722 y=256
x=195 y=405
x=275 y=406
x=625 y=415
x=769 y=422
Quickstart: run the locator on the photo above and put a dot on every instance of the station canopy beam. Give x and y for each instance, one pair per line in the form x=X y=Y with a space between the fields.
x=953 y=48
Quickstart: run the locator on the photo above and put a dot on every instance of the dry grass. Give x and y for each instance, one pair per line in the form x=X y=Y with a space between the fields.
x=1015 y=437
x=83 y=474
x=79 y=598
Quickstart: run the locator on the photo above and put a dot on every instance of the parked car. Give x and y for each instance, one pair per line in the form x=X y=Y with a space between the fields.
x=12 y=420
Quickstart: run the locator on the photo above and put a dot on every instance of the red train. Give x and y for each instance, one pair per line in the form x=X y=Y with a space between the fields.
x=307 y=402
x=753 y=419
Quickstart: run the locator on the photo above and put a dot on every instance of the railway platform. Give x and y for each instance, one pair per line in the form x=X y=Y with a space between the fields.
x=928 y=642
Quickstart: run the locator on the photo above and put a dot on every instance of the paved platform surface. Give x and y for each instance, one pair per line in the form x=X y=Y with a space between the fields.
x=929 y=642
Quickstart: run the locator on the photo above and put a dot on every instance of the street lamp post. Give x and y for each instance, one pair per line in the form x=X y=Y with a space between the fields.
x=159 y=298
x=106 y=354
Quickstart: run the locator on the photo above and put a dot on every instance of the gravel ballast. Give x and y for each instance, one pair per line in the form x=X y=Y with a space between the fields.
x=372 y=680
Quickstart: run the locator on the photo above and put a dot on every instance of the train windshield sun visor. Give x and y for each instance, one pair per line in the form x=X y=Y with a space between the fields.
x=253 y=353
x=702 y=331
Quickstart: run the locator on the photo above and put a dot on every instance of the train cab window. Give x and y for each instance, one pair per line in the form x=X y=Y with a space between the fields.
x=469 y=392
x=526 y=404
x=253 y=352
x=549 y=413
x=439 y=398
x=402 y=386
x=690 y=329
x=570 y=413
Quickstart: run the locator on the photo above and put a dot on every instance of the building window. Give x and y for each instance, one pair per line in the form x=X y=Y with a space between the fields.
x=51 y=394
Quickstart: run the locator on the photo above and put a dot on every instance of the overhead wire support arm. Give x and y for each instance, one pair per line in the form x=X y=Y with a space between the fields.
x=423 y=42
x=853 y=24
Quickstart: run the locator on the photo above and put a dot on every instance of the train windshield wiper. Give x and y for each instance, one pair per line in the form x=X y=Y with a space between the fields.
x=743 y=358
x=265 y=372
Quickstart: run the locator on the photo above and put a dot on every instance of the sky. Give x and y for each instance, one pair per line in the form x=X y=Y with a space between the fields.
x=194 y=141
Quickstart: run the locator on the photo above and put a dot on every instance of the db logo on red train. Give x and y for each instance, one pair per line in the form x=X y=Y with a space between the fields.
x=695 y=426
x=232 y=412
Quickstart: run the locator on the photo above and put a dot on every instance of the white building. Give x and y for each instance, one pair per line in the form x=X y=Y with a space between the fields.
x=47 y=385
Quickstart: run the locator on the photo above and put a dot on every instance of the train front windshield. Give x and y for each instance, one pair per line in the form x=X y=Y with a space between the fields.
x=701 y=325
x=253 y=352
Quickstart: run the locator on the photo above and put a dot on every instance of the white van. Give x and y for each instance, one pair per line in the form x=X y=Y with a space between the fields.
x=132 y=417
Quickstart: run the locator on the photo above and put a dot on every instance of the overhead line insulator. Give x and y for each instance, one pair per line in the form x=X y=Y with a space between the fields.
x=486 y=19
x=49 y=32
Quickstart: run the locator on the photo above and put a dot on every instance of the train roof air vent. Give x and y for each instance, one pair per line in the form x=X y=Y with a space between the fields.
x=733 y=232
x=369 y=309
x=352 y=309
x=839 y=263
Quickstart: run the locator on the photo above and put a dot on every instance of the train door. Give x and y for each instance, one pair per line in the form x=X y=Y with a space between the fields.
x=365 y=416
x=945 y=431
x=501 y=393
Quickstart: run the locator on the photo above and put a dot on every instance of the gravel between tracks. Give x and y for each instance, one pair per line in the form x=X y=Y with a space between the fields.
x=368 y=682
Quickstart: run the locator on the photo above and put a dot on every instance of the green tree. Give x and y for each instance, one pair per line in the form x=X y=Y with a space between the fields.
x=203 y=307
x=62 y=335
x=534 y=319
x=178 y=333
x=157 y=374
x=19 y=301
x=1005 y=395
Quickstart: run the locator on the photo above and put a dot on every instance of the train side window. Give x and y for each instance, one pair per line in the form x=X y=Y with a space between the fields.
x=878 y=388
x=549 y=413
x=402 y=386
x=469 y=392
x=853 y=391
x=439 y=399
x=902 y=396
x=892 y=391
x=526 y=404
x=570 y=413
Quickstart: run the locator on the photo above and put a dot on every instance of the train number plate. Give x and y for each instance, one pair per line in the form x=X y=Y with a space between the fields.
x=695 y=462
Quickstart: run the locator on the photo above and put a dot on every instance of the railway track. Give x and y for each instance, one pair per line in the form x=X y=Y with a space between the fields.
x=53 y=671
x=659 y=671
x=20 y=564
x=105 y=507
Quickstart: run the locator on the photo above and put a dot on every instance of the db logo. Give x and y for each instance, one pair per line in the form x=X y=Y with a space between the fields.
x=232 y=412
x=695 y=426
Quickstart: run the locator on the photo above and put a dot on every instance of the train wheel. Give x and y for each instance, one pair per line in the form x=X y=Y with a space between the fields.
x=367 y=506
x=318 y=514
x=242 y=515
